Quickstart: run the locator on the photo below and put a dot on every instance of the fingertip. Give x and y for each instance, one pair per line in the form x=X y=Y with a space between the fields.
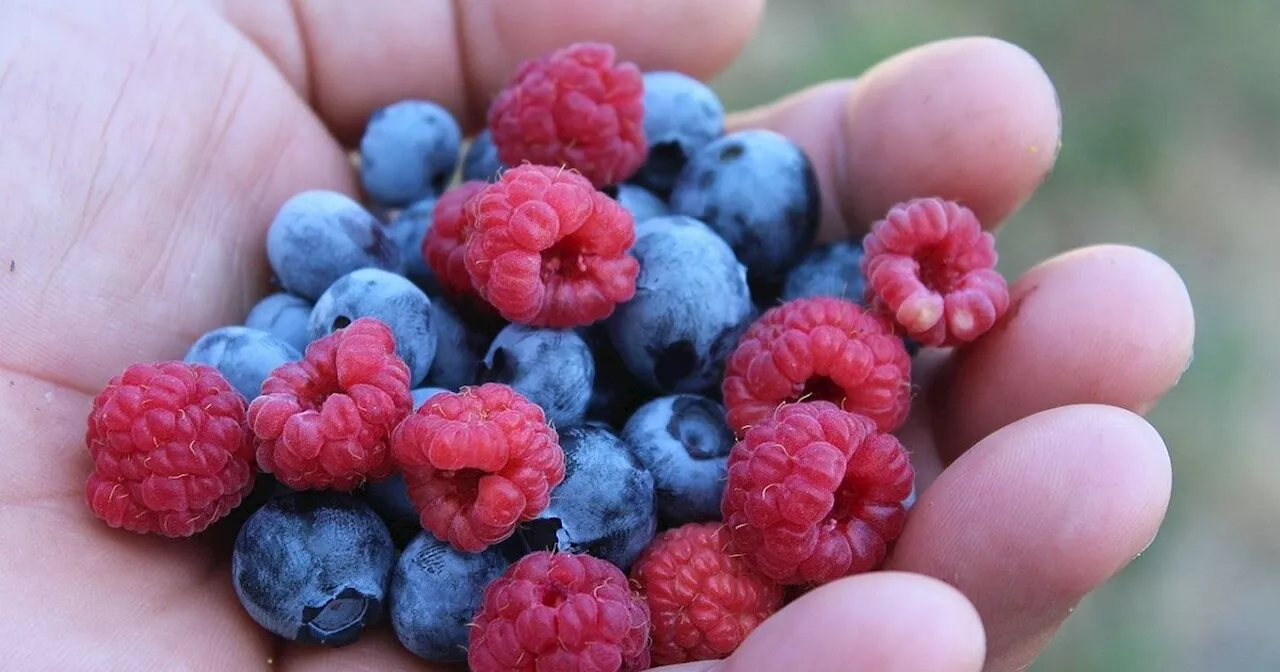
x=973 y=119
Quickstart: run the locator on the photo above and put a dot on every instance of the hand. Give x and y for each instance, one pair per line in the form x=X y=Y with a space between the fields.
x=146 y=145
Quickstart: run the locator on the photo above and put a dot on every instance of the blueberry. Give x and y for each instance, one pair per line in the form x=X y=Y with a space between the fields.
x=409 y=152
x=481 y=161
x=393 y=299
x=407 y=230
x=551 y=367
x=605 y=505
x=320 y=236
x=641 y=203
x=458 y=348
x=313 y=567
x=435 y=594
x=691 y=305
x=827 y=270
x=244 y=356
x=615 y=393
x=758 y=191
x=681 y=115
x=284 y=316
x=684 y=441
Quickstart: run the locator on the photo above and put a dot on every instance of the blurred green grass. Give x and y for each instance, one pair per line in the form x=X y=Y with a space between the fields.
x=1171 y=141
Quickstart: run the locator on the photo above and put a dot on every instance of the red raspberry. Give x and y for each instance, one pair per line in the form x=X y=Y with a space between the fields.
x=703 y=599
x=819 y=348
x=815 y=493
x=445 y=245
x=931 y=267
x=574 y=108
x=477 y=463
x=325 y=422
x=548 y=250
x=171 y=452
x=560 y=613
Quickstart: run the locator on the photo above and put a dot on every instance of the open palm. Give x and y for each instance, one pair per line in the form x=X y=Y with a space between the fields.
x=145 y=146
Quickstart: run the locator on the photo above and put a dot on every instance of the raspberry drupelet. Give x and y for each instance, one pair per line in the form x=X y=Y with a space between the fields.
x=171 y=451
x=444 y=246
x=546 y=249
x=819 y=348
x=931 y=267
x=560 y=613
x=576 y=107
x=703 y=598
x=477 y=463
x=815 y=493
x=325 y=422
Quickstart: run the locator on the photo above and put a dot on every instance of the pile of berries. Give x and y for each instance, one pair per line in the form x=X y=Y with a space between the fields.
x=598 y=402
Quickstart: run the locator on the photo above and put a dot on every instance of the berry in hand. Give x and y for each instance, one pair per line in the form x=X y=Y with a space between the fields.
x=391 y=299
x=244 y=356
x=820 y=348
x=757 y=190
x=481 y=161
x=560 y=613
x=703 y=598
x=325 y=422
x=692 y=303
x=833 y=269
x=575 y=108
x=548 y=250
x=436 y=591
x=815 y=493
x=444 y=245
x=641 y=203
x=552 y=368
x=408 y=153
x=171 y=452
x=408 y=230
x=477 y=463
x=284 y=316
x=320 y=236
x=681 y=116
x=931 y=267
x=313 y=567
x=684 y=442
x=604 y=507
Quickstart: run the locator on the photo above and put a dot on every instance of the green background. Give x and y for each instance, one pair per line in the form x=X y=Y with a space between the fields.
x=1171 y=141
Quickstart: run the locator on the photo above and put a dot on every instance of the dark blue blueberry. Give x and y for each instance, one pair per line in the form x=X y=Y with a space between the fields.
x=691 y=305
x=320 y=236
x=244 y=356
x=458 y=348
x=758 y=191
x=552 y=368
x=605 y=505
x=827 y=270
x=391 y=298
x=313 y=567
x=641 y=203
x=435 y=594
x=407 y=230
x=284 y=316
x=681 y=115
x=684 y=441
x=409 y=152
x=615 y=393
x=481 y=161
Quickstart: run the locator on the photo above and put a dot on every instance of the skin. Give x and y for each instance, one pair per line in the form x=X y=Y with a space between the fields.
x=148 y=144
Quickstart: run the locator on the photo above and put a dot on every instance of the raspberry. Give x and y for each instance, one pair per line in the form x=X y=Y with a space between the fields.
x=703 y=599
x=815 y=493
x=171 y=452
x=445 y=245
x=819 y=348
x=574 y=108
x=548 y=250
x=325 y=422
x=560 y=613
x=477 y=463
x=931 y=267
